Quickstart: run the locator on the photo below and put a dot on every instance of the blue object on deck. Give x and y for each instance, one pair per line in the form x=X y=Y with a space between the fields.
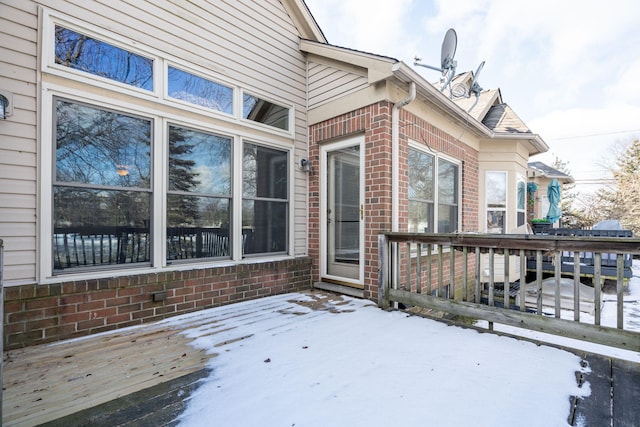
x=553 y=194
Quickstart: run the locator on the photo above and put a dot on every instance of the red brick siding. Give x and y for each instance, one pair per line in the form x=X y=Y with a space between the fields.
x=36 y=314
x=374 y=122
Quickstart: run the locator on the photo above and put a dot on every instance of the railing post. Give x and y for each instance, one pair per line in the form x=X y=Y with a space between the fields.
x=1 y=321
x=383 y=271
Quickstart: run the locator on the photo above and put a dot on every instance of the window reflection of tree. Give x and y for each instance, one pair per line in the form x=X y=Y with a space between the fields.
x=81 y=52
x=265 y=193
x=421 y=182
x=198 y=200
x=199 y=91
x=92 y=198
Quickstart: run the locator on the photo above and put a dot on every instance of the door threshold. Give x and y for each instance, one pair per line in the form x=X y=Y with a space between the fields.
x=340 y=289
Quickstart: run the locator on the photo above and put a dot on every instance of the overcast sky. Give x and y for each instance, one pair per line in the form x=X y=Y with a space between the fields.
x=570 y=69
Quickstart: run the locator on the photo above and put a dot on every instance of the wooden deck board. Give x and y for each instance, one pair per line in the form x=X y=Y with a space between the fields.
x=626 y=393
x=51 y=383
x=47 y=382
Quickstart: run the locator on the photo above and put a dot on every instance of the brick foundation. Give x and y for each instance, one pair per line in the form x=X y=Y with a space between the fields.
x=37 y=314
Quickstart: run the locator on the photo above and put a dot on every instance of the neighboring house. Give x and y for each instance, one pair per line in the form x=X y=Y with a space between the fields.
x=164 y=157
x=540 y=175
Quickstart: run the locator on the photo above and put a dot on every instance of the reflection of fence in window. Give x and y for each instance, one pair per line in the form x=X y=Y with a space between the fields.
x=95 y=246
x=195 y=242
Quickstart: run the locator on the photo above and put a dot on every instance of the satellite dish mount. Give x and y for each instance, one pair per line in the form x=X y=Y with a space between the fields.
x=447 y=63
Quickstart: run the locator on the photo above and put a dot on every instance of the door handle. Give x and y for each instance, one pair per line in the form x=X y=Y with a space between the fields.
x=361 y=212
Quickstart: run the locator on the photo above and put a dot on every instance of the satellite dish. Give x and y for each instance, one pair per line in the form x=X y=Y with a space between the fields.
x=447 y=64
x=449 y=45
x=475 y=87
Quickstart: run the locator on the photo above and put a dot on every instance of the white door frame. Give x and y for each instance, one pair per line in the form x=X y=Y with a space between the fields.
x=324 y=151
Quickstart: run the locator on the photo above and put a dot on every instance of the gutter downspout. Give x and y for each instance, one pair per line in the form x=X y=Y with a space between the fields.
x=395 y=156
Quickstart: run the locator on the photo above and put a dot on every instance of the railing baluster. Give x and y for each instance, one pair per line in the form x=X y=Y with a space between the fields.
x=452 y=273
x=478 y=292
x=523 y=280
x=419 y=268
x=408 y=267
x=576 y=286
x=539 y=281
x=620 y=289
x=506 y=279
x=491 y=276
x=429 y=272
x=557 y=256
x=597 y=284
x=465 y=266
x=440 y=255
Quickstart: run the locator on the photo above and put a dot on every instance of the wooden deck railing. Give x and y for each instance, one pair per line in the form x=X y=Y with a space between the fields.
x=456 y=274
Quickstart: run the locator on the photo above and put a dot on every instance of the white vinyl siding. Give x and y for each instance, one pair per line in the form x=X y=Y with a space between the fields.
x=252 y=44
x=18 y=158
x=327 y=82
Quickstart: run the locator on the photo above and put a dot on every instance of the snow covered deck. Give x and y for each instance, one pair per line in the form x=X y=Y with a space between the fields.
x=312 y=359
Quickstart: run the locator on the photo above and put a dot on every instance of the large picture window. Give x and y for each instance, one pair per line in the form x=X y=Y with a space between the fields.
x=265 y=197
x=102 y=187
x=141 y=169
x=199 y=195
x=428 y=190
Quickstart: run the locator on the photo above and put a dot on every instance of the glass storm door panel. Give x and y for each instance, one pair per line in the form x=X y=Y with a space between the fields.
x=344 y=213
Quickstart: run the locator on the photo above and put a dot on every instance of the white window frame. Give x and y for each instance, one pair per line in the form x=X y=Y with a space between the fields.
x=521 y=179
x=161 y=62
x=440 y=156
x=504 y=209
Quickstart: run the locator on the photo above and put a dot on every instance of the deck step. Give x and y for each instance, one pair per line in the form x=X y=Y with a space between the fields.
x=340 y=289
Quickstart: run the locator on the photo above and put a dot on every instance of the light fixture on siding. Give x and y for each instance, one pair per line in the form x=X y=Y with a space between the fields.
x=305 y=165
x=6 y=104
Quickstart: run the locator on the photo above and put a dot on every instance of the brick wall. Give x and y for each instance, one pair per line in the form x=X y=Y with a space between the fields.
x=374 y=122
x=36 y=314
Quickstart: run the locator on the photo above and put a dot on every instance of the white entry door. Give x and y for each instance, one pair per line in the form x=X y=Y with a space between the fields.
x=343 y=212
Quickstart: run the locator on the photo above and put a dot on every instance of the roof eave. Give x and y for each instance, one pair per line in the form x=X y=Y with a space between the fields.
x=304 y=20
x=536 y=143
x=407 y=74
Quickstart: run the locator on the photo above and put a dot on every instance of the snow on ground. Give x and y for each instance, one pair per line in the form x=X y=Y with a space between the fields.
x=630 y=316
x=367 y=367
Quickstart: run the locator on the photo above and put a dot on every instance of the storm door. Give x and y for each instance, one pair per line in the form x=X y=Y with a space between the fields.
x=343 y=211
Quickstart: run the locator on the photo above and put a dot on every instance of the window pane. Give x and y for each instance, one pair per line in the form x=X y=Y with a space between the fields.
x=101 y=147
x=97 y=227
x=495 y=222
x=199 y=162
x=496 y=189
x=447 y=218
x=447 y=183
x=200 y=91
x=522 y=191
x=264 y=226
x=197 y=227
x=259 y=110
x=80 y=52
x=420 y=217
x=420 y=175
x=265 y=172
